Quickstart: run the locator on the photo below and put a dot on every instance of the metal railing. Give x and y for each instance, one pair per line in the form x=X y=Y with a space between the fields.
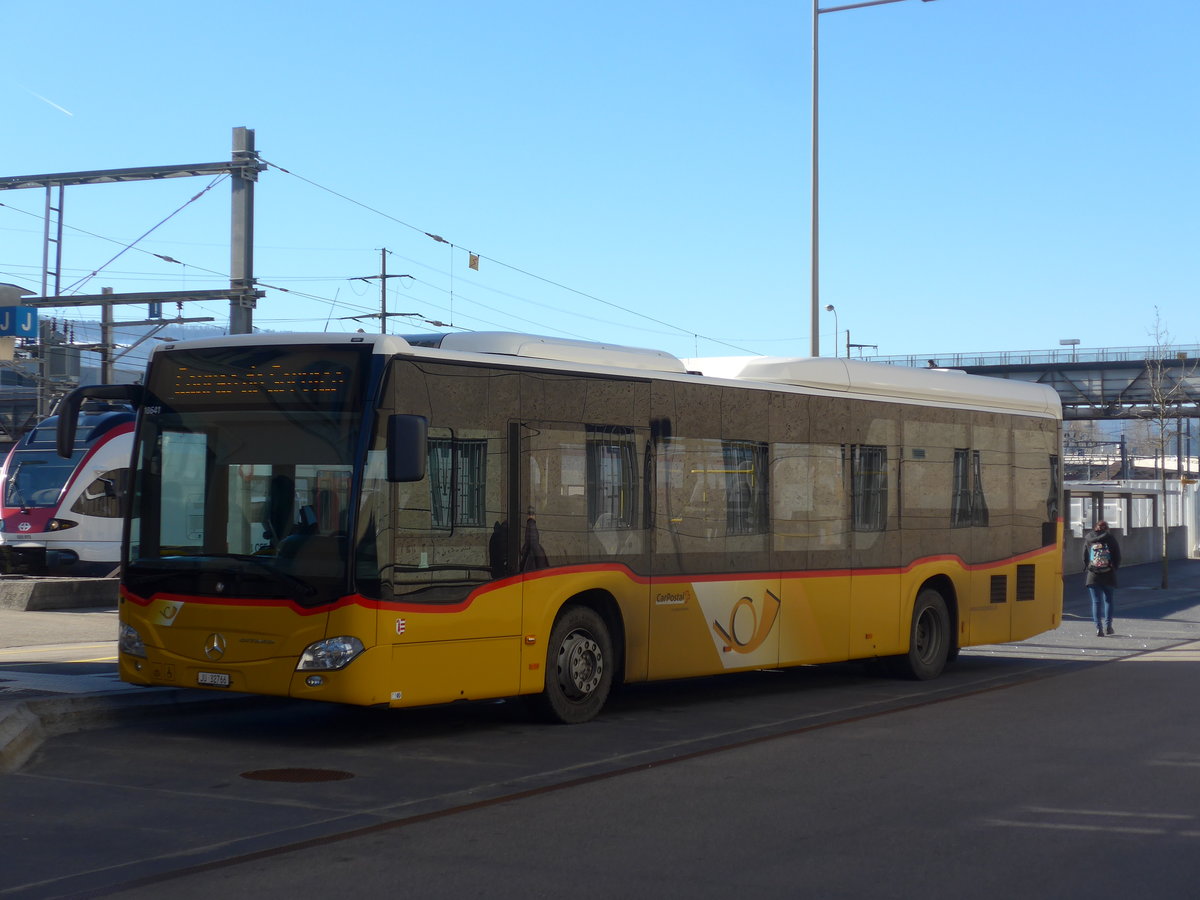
x=1036 y=357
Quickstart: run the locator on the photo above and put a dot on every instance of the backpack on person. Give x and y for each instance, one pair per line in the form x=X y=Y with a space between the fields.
x=1099 y=557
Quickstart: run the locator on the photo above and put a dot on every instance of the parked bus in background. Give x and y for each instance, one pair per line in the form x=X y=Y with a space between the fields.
x=376 y=520
x=63 y=516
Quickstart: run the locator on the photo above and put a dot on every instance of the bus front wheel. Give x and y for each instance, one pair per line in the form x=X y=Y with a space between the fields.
x=579 y=667
x=929 y=639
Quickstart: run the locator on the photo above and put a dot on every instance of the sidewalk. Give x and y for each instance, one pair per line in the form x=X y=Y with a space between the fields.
x=33 y=628
x=35 y=705
x=1136 y=587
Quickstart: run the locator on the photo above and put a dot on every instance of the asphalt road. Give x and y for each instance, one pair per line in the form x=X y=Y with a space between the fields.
x=1065 y=766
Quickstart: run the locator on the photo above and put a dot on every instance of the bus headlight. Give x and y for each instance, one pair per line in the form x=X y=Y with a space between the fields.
x=129 y=641
x=331 y=653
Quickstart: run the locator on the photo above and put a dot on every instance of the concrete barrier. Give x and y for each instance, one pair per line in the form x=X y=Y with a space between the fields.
x=25 y=592
x=1138 y=546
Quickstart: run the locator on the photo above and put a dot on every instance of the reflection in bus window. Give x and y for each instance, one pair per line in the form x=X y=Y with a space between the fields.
x=611 y=477
x=745 y=486
x=960 y=509
x=868 y=487
x=457 y=481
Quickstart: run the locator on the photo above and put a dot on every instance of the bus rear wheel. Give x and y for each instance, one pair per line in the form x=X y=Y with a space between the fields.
x=928 y=640
x=579 y=667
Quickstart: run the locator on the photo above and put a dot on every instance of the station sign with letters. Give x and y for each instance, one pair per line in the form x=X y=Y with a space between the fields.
x=18 y=321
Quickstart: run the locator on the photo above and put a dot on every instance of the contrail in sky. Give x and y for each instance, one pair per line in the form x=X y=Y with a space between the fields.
x=50 y=102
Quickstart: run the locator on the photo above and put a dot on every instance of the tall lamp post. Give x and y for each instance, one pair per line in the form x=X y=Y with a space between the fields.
x=830 y=308
x=816 y=273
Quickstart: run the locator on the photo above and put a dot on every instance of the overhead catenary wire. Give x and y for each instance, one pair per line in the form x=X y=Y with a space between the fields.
x=160 y=256
x=453 y=294
x=333 y=303
x=501 y=263
x=147 y=233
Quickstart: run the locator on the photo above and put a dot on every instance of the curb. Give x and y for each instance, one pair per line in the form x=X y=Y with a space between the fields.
x=23 y=592
x=20 y=735
x=24 y=725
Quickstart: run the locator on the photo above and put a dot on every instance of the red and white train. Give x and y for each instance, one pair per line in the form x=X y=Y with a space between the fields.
x=63 y=516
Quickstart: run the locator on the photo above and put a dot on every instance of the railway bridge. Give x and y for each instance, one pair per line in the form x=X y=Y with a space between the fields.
x=1155 y=383
x=1109 y=383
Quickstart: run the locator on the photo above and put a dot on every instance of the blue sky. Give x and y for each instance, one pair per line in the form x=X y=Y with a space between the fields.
x=995 y=174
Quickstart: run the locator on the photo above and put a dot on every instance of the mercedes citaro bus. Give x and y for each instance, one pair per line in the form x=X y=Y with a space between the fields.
x=391 y=521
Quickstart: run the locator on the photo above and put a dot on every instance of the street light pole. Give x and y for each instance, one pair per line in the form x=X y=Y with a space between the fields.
x=830 y=308
x=1072 y=343
x=815 y=262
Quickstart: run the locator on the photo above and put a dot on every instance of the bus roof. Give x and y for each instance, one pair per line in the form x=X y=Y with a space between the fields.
x=936 y=387
x=532 y=346
x=947 y=387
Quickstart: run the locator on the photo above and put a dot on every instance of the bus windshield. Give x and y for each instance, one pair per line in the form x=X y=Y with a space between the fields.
x=244 y=478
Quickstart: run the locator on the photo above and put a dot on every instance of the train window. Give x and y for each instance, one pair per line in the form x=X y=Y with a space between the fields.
x=104 y=497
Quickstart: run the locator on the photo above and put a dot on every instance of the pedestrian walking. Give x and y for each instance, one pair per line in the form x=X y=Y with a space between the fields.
x=1101 y=559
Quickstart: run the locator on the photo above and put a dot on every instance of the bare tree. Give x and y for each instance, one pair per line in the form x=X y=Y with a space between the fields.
x=1166 y=378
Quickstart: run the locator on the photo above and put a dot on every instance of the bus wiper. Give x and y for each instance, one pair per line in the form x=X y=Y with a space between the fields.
x=158 y=574
x=262 y=562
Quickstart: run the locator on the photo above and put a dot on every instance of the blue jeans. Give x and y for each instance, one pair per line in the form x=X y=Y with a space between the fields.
x=1102 y=605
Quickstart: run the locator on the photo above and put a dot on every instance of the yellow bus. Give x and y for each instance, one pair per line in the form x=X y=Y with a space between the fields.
x=380 y=520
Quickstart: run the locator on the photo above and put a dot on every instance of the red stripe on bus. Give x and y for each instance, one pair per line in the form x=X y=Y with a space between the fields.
x=477 y=593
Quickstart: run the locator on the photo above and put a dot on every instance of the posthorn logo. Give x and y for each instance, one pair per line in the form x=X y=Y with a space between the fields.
x=749 y=624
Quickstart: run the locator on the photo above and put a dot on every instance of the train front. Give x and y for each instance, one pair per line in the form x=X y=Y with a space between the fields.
x=62 y=516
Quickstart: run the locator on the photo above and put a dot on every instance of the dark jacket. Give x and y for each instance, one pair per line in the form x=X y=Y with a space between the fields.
x=1114 y=550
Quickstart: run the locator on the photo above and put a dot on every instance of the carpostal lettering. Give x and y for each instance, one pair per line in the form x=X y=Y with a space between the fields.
x=671 y=599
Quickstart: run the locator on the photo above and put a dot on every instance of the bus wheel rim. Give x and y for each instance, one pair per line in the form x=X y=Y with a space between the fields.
x=926 y=636
x=580 y=664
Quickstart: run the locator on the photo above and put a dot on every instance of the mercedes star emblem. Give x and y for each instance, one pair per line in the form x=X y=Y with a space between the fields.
x=214 y=646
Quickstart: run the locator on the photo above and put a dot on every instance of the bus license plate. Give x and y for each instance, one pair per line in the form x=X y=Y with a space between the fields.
x=212 y=679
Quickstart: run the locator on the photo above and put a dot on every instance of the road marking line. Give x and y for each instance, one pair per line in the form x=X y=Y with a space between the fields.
x=1189 y=652
x=1062 y=826
x=56 y=648
x=1107 y=812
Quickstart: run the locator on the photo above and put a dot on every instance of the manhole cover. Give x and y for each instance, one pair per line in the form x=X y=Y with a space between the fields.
x=297 y=775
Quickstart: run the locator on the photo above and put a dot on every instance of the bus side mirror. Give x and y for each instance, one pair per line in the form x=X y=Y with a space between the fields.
x=406 y=449
x=68 y=410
